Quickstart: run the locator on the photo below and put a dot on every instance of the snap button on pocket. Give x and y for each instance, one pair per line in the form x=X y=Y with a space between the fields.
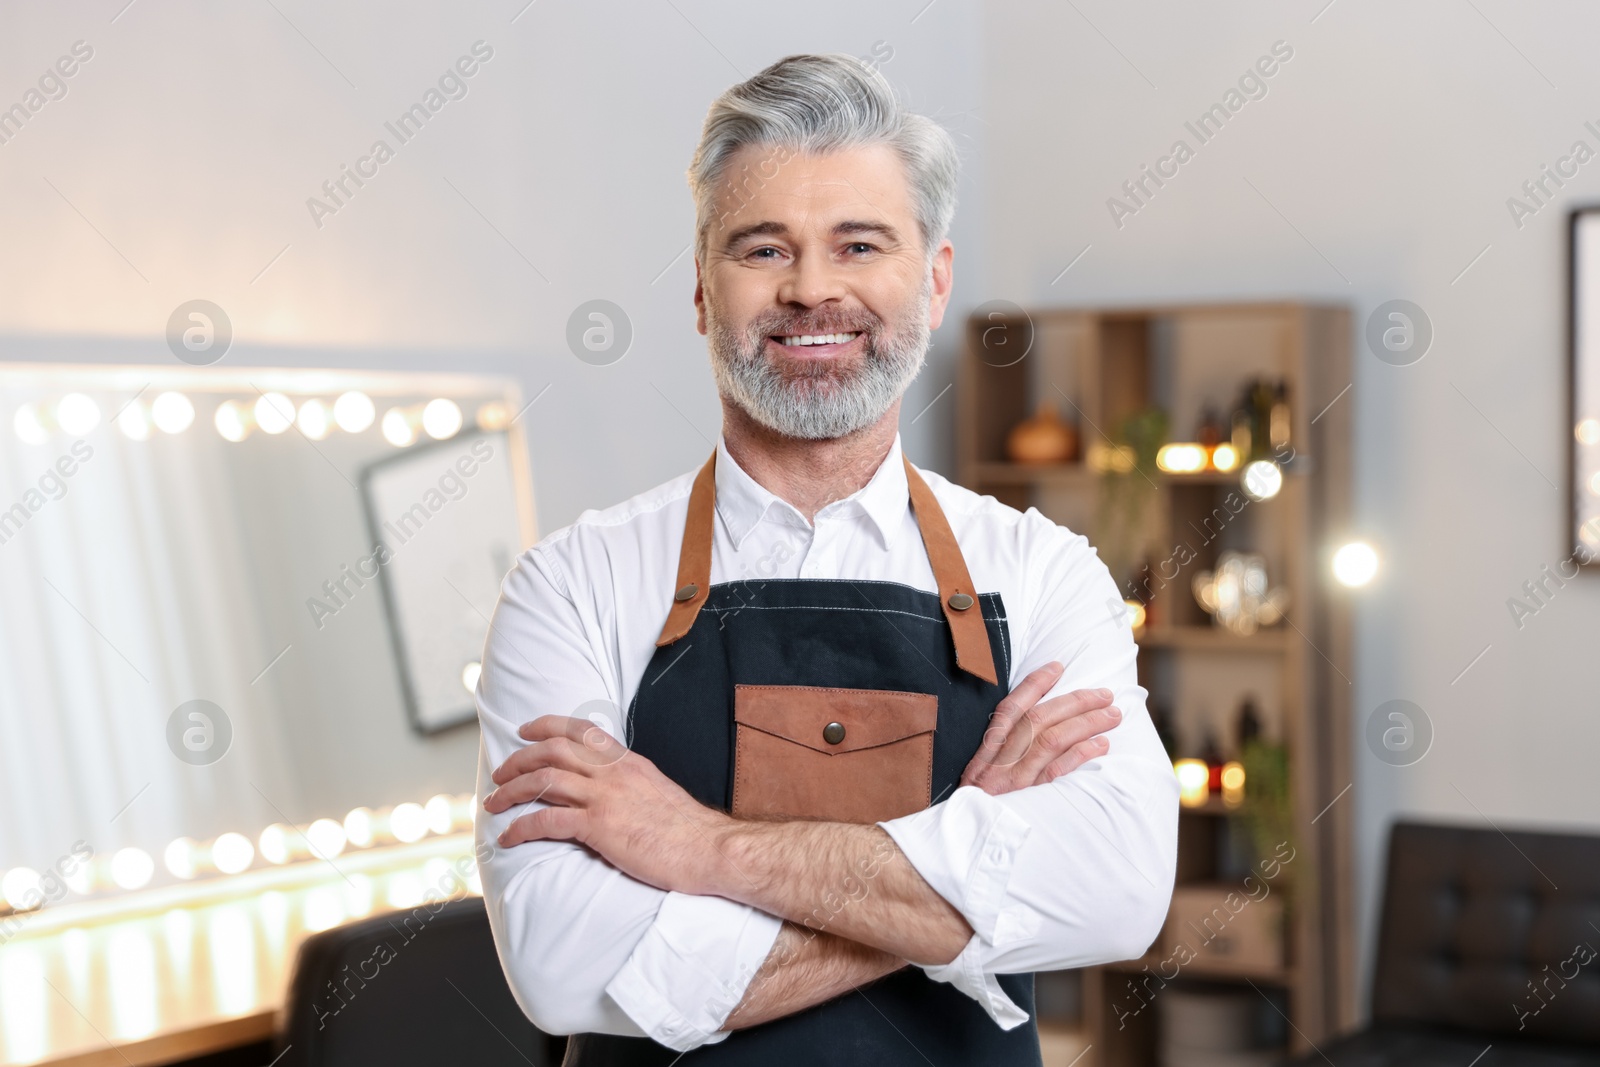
x=961 y=601
x=833 y=733
x=686 y=593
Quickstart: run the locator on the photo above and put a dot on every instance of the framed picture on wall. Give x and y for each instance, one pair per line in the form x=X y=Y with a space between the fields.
x=1583 y=513
x=447 y=514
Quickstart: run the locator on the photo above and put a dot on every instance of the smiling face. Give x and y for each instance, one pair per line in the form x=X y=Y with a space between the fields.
x=816 y=294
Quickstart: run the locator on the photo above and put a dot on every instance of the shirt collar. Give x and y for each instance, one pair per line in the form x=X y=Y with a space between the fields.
x=743 y=502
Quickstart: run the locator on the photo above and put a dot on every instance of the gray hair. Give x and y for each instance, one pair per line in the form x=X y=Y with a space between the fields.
x=819 y=104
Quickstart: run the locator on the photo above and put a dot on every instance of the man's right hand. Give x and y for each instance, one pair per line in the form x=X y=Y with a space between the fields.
x=1031 y=743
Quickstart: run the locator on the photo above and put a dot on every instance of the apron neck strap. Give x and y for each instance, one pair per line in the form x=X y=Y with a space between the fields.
x=957 y=595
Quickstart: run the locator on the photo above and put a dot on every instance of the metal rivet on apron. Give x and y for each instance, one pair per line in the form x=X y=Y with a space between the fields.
x=833 y=733
x=960 y=601
x=686 y=593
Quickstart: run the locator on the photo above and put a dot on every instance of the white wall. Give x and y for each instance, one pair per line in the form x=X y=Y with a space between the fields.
x=194 y=136
x=1387 y=147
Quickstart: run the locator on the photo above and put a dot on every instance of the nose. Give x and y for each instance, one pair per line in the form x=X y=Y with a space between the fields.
x=812 y=280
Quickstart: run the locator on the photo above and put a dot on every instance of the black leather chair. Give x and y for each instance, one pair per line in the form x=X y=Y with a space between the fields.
x=1488 y=941
x=413 y=987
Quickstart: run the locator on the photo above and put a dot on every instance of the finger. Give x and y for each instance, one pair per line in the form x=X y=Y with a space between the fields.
x=555 y=752
x=547 y=726
x=1007 y=712
x=1074 y=758
x=547 y=784
x=546 y=824
x=1061 y=737
x=596 y=747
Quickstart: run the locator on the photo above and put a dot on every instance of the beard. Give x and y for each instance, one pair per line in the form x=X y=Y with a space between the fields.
x=818 y=399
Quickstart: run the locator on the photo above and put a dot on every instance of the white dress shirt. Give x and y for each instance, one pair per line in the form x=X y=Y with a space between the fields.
x=1072 y=873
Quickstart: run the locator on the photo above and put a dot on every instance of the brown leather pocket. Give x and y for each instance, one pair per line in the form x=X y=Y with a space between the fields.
x=845 y=755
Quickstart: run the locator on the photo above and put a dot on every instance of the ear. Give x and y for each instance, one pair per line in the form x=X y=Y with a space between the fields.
x=699 y=299
x=943 y=280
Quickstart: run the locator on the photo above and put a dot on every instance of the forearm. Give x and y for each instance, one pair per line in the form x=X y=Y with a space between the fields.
x=804 y=968
x=852 y=881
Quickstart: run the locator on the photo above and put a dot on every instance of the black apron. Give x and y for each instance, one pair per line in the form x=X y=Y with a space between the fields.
x=843 y=635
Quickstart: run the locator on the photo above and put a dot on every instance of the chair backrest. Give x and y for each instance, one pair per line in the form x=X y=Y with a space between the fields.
x=1493 y=932
x=412 y=987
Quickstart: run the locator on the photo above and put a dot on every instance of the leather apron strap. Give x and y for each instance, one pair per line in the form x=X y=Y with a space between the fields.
x=957 y=595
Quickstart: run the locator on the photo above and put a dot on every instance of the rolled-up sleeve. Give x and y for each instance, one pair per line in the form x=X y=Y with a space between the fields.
x=586 y=948
x=1078 y=871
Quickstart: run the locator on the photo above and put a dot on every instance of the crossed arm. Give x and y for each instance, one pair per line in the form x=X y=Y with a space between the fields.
x=854 y=907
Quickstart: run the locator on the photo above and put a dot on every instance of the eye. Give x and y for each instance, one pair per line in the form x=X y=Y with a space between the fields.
x=762 y=252
x=860 y=247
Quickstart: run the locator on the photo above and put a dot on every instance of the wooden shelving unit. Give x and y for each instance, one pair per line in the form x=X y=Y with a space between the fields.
x=1099 y=366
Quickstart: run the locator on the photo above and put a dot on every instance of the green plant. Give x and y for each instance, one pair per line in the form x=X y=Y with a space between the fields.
x=1124 y=521
x=1267 y=815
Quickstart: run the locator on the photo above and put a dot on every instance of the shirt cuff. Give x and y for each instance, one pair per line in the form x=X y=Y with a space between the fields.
x=965 y=849
x=692 y=967
x=966 y=973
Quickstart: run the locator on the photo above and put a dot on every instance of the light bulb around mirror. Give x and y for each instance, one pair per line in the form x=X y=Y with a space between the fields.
x=274 y=413
x=131 y=868
x=353 y=411
x=397 y=428
x=441 y=419
x=20 y=887
x=408 y=822
x=233 y=421
x=327 y=838
x=274 y=844
x=134 y=422
x=182 y=857
x=314 y=420
x=172 y=412
x=29 y=425
x=232 y=853
x=358 y=827
x=77 y=414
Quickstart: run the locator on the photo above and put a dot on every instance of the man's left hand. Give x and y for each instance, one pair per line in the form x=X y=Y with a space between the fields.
x=609 y=798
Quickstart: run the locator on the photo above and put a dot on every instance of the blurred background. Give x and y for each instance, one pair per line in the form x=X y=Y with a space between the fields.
x=1423 y=153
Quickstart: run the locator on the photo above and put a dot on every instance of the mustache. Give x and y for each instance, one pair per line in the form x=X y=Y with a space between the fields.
x=836 y=322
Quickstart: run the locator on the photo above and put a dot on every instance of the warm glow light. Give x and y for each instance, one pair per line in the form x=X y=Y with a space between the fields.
x=233 y=420
x=1194 y=782
x=358 y=828
x=326 y=837
x=1588 y=431
x=77 y=414
x=232 y=853
x=441 y=418
x=30 y=427
x=470 y=675
x=1181 y=458
x=134 y=422
x=438 y=811
x=181 y=857
x=1590 y=532
x=408 y=822
x=314 y=420
x=274 y=843
x=131 y=868
x=172 y=412
x=80 y=879
x=1233 y=784
x=274 y=412
x=1136 y=614
x=1355 y=564
x=493 y=416
x=397 y=428
x=18 y=884
x=353 y=411
x=1262 y=480
x=1225 y=457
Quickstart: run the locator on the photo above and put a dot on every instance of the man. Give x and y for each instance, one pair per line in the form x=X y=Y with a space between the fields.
x=872 y=771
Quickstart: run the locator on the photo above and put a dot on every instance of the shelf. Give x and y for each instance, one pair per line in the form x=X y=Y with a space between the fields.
x=1210 y=970
x=1212 y=639
x=1213 y=806
x=1079 y=475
